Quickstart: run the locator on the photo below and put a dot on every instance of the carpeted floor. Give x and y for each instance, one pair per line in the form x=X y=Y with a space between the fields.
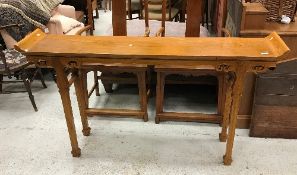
x=37 y=142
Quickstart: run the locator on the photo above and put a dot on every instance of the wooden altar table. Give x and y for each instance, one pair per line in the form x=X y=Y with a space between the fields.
x=234 y=56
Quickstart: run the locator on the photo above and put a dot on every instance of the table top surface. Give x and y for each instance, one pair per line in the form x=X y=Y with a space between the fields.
x=260 y=49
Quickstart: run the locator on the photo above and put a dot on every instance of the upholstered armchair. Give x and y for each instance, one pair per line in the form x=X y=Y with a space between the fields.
x=63 y=21
x=14 y=64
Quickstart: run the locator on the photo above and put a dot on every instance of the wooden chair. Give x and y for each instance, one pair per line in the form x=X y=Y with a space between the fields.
x=194 y=14
x=13 y=63
x=134 y=7
x=122 y=73
x=136 y=27
x=155 y=10
x=173 y=29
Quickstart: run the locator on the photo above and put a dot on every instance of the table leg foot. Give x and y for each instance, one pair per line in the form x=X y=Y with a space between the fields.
x=86 y=131
x=76 y=152
x=157 y=120
x=223 y=137
x=227 y=160
x=145 y=118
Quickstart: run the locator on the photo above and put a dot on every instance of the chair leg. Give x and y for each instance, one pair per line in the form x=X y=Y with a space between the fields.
x=105 y=4
x=140 y=16
x=110 y=5
x=53 y=73
x=41 y=77
x=28 y=88
x=150 y=86
x=159 y=95
x=1 y=79
x=96 y=82
x=91 y=33
x=97 y=13
x=141 y=76
x=107 y=85
x=206 y=11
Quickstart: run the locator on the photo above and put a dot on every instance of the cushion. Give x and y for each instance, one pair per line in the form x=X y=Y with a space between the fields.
x=67 y=23
x=13 y=58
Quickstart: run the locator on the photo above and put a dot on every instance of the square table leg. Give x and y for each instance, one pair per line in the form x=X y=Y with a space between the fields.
x=237 y=90
x=141 y=77
x=81 y=100
x=229 y=80
x=63 y=85
x=159 y=95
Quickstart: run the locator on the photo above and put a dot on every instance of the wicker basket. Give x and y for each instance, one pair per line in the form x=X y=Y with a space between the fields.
x=277 y=8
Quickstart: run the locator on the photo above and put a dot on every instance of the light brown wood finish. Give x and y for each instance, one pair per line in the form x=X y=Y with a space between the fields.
x=229 y=80
x=192 y=30
x=241 y=70
x=63 y=85
x=173 y=116
x=165 y=71
x=139 y=70
x=234 y=55
x=79 y=89
x=132 y=48
x=115 y=112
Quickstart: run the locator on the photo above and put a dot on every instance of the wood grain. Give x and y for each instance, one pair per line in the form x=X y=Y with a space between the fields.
x=247 y=49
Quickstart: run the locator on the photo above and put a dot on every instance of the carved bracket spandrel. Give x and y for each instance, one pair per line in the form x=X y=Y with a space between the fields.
x=225 y=67
x=261 y=68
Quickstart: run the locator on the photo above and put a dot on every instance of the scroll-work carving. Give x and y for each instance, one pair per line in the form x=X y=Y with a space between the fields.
x=259 y=68
x=223 y=67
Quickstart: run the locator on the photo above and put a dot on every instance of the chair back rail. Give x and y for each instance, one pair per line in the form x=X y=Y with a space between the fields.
x=194 y=8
